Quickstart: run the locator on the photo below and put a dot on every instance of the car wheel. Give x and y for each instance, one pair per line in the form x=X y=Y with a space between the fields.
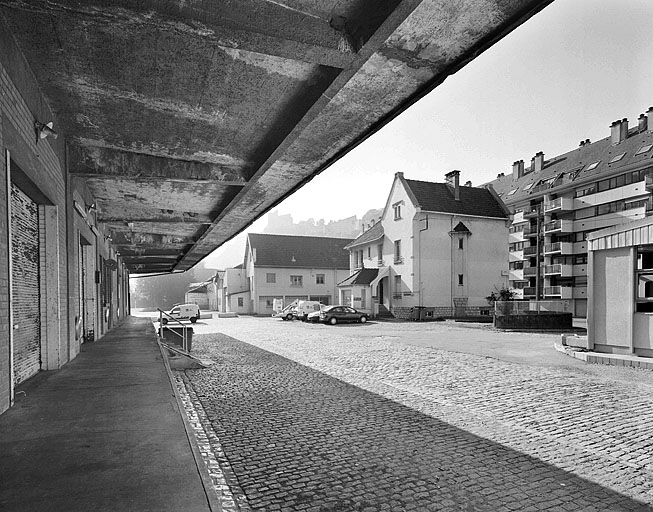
x=289 y=316
x=363 y=319
x=193 y=320
x=333 y=320
x=164 y=321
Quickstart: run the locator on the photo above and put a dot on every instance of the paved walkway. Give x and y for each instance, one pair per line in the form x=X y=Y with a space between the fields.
x=351 y=418
x=102 y=434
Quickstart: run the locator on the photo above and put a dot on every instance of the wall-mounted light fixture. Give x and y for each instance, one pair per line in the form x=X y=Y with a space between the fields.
x=44 y=130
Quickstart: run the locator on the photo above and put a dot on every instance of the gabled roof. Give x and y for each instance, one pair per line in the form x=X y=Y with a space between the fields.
x=363 y=276
x=461 y=228
x=374 y=233
x=287 y=251
x=439 y=197
x=576 y=167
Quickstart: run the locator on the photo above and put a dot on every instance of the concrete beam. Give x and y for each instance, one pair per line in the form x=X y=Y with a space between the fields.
x=102 y=162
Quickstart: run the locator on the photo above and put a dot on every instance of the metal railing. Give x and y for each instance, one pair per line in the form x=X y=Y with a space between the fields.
x=184 y=328
x=503 y=308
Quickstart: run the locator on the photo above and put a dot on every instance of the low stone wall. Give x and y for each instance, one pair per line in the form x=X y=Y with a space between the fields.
x=542 y=320
x=472 y=313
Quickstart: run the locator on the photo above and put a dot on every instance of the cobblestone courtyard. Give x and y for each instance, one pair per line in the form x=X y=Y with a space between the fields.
x=381 y=417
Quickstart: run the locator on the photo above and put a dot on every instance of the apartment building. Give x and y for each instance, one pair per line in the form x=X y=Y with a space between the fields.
x=558 y=202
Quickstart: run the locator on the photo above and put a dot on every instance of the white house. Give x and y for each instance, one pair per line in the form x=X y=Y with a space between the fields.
x=438 y=245
x=289 y=268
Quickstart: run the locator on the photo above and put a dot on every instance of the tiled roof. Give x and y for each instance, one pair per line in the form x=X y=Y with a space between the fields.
x=572 y=167
x=439 y=197
x=288 y=251
x=363 y=276
x=374 y=233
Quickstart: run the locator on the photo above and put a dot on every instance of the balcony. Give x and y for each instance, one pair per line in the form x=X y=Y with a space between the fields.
x=564 y=292
x=516 y=274
x=529 y=291
x=561 y=204
x=559 y=226
x=649 y=182
x=559 y=269
x=531 y=271
x=530 y=251
x=531 y=212
x=559 y=248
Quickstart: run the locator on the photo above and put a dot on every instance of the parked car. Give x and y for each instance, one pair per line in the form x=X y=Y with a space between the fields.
x=183 y=312
x=306 y=307
x=335 y=314
x=314 y=317
x=287 y=313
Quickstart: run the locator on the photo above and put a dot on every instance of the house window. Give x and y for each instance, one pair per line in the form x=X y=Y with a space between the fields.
x=460 y=243
x=644 y=274
x=460 y=279
x=398 y=258
x=241 y=302
x=397 y=210
x=379 y=253
x=271 y=277
x=369 y=253
x=397 y=292
x=319 y=278
x=296 y=281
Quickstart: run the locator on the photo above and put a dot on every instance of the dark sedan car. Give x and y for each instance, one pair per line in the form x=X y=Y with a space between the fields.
x=335 y=314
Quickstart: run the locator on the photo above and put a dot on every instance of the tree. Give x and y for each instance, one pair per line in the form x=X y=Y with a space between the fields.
x=502 y=295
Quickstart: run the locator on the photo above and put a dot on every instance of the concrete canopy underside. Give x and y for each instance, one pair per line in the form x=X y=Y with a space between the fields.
x=189 y=120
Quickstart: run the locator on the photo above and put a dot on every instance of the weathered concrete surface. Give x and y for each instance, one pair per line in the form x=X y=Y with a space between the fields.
x=177 y=108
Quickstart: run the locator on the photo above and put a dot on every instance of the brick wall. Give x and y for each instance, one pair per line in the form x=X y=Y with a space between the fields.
x=38 y=171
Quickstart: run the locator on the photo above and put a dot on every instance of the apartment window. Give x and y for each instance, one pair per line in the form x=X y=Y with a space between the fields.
x=397 y=210
x=241 y=302
x=296 y=281
x=644 y=275
x=593 y=166
x=319 y=278
x=369 y=253
x=617 y=158
x=461 y=243
x=644 y=149
x=461 y=279
x=398 y=258
x=270 y=278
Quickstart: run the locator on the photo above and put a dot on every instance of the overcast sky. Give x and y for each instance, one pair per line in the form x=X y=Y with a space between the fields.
x=562 y=76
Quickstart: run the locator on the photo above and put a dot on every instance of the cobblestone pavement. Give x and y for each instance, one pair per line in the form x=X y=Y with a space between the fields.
x=345 y=418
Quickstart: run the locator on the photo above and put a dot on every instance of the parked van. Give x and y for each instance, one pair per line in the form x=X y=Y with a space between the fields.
x=305 y=307
x=183 y=312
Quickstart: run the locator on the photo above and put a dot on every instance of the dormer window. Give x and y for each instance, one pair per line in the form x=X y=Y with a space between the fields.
x=593 y=166
x=644 y=149
x=617 y=158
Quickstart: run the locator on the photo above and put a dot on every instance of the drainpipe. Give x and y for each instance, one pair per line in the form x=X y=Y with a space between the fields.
x=419 y=260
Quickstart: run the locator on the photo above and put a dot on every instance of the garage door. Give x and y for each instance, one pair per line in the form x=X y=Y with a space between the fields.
x=25 y=299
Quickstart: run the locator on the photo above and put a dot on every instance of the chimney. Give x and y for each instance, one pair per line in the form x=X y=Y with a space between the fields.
x=538 y=161
x=587 y=141
x=649 y=114
x=642 y=123
x=517 y=169
x=468 y=183
x=615 y=132
x=453 y=180
x=624 y=129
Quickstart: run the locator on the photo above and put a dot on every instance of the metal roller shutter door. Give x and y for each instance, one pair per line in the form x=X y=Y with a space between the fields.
x=25 y=301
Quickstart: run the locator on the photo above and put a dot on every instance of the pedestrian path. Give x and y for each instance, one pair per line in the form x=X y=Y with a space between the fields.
x=104 y=433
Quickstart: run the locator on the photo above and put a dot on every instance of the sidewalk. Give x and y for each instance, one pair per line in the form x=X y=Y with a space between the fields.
x=104 y=433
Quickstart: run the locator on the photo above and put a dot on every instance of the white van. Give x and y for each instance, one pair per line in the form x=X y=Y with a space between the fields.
x=287 y=313
x=183 y=312
x=305 y=307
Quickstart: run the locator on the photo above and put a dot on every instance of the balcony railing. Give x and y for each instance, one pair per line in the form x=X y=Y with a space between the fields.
x=560 y=204
x=564 y=292
x=531 y=211
x=531 y=271
x=559 y=226
x=558 y=269
x=529 y=291
x=530 y=251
